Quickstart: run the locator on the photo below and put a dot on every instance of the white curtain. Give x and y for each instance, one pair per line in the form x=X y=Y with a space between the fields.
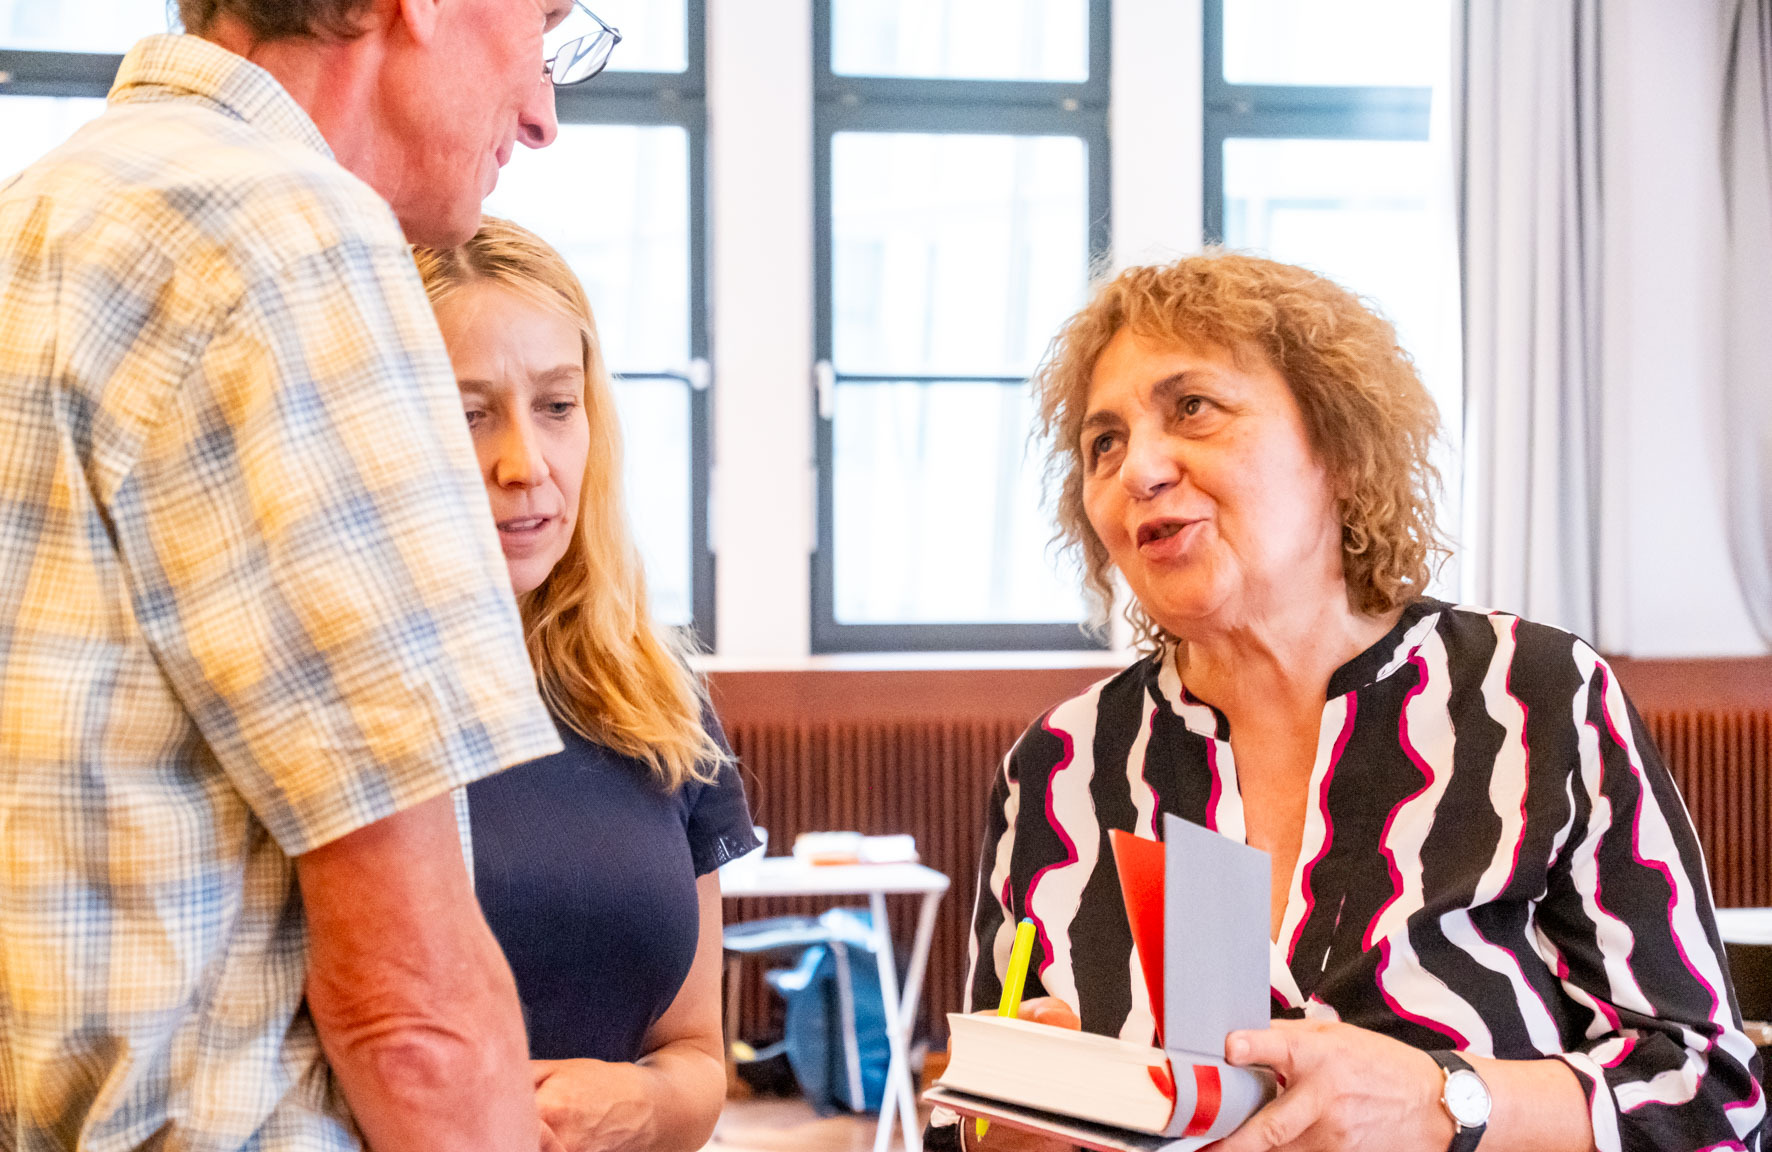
x=1528 y=144
x=1747 y=375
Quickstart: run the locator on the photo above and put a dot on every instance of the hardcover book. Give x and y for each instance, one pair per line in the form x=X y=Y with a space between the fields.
x=1198 y=907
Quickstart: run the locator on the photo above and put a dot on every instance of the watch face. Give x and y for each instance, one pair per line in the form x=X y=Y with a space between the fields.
x=1467 y=1098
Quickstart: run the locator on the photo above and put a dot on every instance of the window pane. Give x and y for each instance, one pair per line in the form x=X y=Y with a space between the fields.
x=1365 y=213
x=961 y=39
x=938 y=514
x=614 y=199
x=32 y=125
x=954 y=255
x=87 y=26
x=656 y=474
x=1406 y=43
x=654 y=34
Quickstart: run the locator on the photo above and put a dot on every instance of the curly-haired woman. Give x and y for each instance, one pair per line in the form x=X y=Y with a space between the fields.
x=1490 y=917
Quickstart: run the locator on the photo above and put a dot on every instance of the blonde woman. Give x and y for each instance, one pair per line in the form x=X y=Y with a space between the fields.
x=595 y=866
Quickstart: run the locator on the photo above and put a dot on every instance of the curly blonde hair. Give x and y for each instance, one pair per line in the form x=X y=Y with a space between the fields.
x=1367 y=415
x=603 y=665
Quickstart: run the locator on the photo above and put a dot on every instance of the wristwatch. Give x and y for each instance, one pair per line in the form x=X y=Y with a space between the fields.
x=1465 y=1098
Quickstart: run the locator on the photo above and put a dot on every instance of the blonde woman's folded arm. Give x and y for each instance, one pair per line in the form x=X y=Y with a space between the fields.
x=670 y=1098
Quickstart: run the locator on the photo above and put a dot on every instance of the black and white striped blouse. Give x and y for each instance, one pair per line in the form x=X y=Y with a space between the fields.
x=1494 y=859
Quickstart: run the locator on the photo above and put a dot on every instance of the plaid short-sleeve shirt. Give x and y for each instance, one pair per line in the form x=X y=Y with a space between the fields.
x=250 y=600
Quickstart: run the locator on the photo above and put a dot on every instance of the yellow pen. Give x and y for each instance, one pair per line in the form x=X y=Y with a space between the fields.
x=1014 y=981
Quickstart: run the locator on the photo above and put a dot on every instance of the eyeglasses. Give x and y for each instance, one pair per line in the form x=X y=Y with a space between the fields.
x=579 y=48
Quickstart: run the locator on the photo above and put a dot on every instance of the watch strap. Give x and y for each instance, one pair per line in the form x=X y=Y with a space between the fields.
x=1464 y=1137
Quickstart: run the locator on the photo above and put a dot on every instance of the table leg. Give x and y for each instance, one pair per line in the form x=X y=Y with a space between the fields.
x=846 y=1012
x=734 y=971
x=900 y=1096
x=913 y=977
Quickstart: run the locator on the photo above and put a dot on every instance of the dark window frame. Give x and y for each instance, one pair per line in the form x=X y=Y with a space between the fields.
x=1289 y=111
x=641 y=98
x=895 y=104
x=26 y=73
x=677 y=99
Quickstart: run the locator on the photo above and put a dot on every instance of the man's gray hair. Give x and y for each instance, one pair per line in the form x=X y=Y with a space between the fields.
x=278 y=19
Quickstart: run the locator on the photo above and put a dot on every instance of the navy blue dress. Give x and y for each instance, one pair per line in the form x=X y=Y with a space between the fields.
x=586 y=870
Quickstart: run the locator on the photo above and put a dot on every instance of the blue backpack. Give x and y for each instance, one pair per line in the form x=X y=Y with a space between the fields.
x=836 y=1017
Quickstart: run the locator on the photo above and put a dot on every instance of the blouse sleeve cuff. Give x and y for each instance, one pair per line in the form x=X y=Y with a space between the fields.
x=1601 y=1105
x=943 y=1133
x=724 y=850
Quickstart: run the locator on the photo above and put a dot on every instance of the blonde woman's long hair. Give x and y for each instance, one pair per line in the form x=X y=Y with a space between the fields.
x=604 y=667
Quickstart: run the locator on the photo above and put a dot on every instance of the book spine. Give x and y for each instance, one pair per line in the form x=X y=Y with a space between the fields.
x=1212 y=1098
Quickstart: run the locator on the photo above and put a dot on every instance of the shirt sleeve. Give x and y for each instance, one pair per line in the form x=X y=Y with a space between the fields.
x=992 y=912
x=1629 y=918
x=310 y=555
x=720 y=827
x=1001 y=891
x=1004 y=874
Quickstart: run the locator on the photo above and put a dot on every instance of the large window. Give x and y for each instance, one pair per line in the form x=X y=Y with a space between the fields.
x=962 y=193
x=620 y=194
x=56 y=64
x=1327 y=146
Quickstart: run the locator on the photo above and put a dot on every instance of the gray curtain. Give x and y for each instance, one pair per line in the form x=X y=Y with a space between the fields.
x=1528 y=141
x=1747 y=373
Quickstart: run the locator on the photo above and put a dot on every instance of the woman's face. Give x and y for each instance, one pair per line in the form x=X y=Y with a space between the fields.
x=1200 y=481
x=520 y=368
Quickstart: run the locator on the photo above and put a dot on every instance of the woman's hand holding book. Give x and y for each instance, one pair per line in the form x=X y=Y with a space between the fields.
x=1050 y=1010
x=1054 y=1013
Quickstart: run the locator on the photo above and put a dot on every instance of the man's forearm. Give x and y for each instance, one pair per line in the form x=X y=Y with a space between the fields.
x=413 y=1001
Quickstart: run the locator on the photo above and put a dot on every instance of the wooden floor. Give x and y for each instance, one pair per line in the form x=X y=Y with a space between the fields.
x=771 y=1124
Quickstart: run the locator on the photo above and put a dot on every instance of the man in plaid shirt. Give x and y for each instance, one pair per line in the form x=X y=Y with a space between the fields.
x=255 y=627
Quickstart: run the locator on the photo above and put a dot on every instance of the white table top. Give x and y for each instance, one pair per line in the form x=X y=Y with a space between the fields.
x=1745 y=925
x=786 y=876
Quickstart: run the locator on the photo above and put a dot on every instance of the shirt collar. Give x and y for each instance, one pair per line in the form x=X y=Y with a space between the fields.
x=1391 y=653
x=1379 y=662
x=185 y=67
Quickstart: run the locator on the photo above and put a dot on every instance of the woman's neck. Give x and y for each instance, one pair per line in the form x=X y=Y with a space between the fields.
x=1284 y=659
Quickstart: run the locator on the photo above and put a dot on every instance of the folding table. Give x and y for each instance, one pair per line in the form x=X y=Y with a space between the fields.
x=787 y=876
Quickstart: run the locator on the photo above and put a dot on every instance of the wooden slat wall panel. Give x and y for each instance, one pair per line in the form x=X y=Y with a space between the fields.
x=932 y=778
x=1722 y=761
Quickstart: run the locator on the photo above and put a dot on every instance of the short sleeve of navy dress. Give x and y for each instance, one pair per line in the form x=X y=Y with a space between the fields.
x=586 y=868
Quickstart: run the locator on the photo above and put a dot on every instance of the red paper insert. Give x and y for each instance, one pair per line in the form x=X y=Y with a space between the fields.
x=1140 y=864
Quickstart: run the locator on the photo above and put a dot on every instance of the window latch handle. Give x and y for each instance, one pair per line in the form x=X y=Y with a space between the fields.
x=824 y=383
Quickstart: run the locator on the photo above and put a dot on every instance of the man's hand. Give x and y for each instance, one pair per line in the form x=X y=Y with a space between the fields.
x=1344 y=1089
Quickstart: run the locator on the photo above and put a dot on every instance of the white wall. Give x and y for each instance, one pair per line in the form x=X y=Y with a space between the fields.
x=1155 y=128
x=760 y=263
x=1668 y=584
